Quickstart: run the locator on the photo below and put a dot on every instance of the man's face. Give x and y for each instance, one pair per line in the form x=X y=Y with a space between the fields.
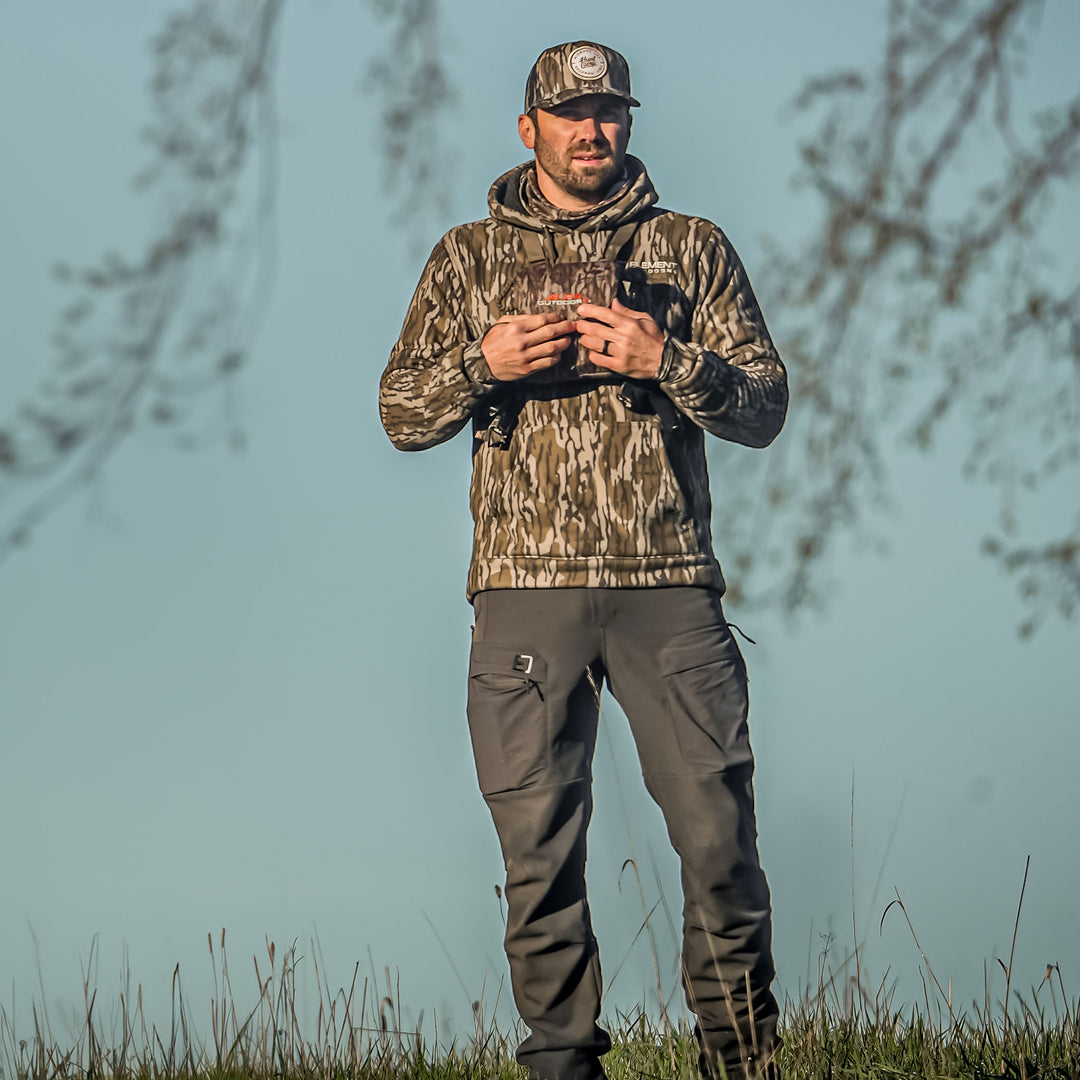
x=580 y=146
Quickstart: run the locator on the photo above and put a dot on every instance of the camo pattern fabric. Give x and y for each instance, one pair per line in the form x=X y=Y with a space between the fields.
x=589 y=484
x=575 y=69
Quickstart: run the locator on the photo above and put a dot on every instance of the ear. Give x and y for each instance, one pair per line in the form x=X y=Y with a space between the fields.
x=527 y=131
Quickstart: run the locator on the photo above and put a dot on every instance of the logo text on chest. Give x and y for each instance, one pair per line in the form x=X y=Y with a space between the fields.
x=659 y=267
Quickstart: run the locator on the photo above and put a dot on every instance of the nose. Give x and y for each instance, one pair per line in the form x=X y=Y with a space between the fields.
x=589 y=128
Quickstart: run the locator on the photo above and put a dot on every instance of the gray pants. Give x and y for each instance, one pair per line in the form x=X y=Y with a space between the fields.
x=674 y=667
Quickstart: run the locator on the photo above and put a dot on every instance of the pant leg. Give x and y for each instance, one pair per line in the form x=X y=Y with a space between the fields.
x=678 y=674
x=532 y=717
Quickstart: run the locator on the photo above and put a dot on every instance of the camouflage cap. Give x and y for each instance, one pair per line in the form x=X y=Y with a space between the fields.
x=569 y=71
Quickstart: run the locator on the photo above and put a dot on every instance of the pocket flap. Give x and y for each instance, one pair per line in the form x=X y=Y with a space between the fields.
x=698 y=647
x=516 y=661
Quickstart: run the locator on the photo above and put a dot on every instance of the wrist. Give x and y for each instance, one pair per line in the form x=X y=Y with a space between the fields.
x=669 y=366
x=475 y=364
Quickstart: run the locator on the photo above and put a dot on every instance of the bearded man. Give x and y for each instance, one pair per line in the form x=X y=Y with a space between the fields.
x=591 y=339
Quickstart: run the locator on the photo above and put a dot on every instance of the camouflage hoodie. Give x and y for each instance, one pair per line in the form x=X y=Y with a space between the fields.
x=600 y=483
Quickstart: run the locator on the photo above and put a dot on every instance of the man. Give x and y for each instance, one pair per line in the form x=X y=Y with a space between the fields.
x=592 y=338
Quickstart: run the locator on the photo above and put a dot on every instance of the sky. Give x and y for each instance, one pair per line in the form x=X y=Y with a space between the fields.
x=232 y=684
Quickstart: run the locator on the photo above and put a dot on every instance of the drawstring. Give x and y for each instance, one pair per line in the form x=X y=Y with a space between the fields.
x=742 y=633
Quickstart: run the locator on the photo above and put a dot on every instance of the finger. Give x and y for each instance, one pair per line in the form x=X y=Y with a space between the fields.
x=550 y=331
x=547 y=349
x=603 y=331
x=596 y=343
x=531 y=322
x=603 y=360
x=629 y=312
x=595 y=313
x=543 y=362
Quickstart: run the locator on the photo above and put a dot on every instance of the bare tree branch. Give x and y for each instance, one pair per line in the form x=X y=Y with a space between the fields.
x=415 y=91
x=929 y=292
x=158 y=342
x=143 y=341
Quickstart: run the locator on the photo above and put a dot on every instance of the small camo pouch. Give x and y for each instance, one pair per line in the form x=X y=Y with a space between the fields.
x=560 y=287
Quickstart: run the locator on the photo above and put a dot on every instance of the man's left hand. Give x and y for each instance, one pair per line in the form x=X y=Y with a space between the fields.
x=622 y=340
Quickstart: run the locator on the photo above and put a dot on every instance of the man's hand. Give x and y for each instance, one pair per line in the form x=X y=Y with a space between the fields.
x=625 y=341
x=519 y=345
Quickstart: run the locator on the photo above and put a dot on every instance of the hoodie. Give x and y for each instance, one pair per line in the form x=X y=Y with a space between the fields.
x=598 y=483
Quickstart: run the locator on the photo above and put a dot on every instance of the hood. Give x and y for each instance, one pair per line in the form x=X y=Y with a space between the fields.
x=509 y=201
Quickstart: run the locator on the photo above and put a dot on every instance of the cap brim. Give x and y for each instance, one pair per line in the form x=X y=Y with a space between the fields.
x=576 y=92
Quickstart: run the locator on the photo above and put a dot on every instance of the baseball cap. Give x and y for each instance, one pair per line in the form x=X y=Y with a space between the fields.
x=569 y=71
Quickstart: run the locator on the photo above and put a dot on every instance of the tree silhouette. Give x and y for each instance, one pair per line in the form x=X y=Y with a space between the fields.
x=926 y=293
x=161 y=340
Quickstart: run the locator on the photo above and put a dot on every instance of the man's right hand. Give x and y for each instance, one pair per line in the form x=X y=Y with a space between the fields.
x=519 y=345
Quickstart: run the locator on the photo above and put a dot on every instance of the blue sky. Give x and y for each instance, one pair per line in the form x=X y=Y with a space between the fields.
x=232 y=685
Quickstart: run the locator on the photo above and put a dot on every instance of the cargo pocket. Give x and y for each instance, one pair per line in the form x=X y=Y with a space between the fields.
x=508 y=716
x=705 y=682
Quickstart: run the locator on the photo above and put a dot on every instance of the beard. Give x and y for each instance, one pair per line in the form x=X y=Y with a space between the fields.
x=585 y=182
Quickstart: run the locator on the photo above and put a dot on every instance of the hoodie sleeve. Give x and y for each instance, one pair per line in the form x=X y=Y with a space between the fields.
x=728 y=377
x=437 y=374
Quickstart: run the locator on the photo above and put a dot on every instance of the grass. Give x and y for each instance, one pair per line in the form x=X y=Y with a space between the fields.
x=840 y=1031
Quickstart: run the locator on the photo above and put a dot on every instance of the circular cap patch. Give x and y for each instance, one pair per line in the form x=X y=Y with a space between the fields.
x=588 y=63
